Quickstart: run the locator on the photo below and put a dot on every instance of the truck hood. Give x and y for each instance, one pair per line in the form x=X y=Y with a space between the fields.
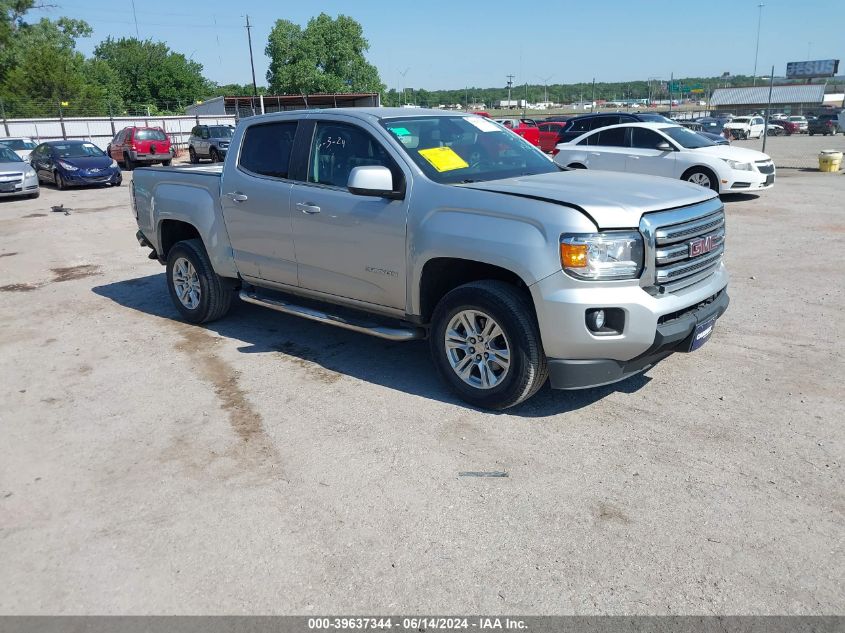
x=612 y=200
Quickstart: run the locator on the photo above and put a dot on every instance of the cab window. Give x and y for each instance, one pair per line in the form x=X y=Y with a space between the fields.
x=267 y=148
x=338 y=148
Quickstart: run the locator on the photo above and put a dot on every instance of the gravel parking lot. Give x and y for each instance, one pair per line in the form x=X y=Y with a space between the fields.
x=266 y=464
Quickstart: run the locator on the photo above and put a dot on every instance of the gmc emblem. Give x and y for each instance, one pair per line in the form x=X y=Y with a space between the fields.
x=701 y=246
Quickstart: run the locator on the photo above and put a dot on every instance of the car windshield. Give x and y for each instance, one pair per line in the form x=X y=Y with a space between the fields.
x=657 y=118
x=458 y=149
x=687 y=138
x=220 y=131
x=8 y=156
x=17 y=143
x=712 y=125
x=150 y=135
x=77 y=150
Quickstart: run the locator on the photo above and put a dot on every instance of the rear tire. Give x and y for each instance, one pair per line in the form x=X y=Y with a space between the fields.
x=128 y=162
x=166 y=163
x=701 y=176
x=199 y=293
x=501 y=313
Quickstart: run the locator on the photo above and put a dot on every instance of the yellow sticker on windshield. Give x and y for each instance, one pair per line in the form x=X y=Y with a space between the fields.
x=443 y=158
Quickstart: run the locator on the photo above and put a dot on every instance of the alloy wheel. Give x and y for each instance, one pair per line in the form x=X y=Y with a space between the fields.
x=477 y=349
x=186 y=282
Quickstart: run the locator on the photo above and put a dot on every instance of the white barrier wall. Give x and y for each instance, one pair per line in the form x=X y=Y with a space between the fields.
x=101 y=130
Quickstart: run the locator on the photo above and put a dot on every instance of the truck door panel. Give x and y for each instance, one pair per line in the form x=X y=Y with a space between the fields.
x=255 y=198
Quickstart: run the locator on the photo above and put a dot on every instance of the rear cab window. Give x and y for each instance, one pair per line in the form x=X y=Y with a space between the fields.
x=267 y=147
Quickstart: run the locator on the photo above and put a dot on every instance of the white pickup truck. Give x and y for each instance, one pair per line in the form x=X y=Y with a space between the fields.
x=428 y=224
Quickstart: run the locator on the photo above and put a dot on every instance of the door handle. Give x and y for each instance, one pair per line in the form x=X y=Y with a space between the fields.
x=307 y=207
x=237 y=196
x=595 y=153
x=634 y=157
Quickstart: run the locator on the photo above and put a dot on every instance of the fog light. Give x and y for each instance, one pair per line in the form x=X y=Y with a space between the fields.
x=595 y=319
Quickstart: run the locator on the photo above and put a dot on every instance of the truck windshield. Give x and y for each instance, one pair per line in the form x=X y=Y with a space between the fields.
x=687 y=138
x=220 y=131
x=457 y=149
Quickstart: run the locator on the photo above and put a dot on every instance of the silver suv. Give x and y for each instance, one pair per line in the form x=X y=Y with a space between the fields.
x=209 y=141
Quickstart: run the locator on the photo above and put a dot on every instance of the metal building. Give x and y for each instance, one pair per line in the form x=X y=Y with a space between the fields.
x=249 y=106
x=792 y=99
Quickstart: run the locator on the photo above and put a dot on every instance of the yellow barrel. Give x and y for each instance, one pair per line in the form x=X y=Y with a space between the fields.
x=830 y=160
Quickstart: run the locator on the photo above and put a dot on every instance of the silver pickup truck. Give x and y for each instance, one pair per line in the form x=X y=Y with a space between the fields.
x=446 y=226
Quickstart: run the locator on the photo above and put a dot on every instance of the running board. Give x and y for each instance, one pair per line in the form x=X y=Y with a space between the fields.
x=381 y=331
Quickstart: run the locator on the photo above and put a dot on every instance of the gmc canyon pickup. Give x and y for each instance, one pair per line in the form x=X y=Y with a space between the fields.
x=439 y=225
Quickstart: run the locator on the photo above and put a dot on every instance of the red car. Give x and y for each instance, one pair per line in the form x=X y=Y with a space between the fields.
x=526 y=128
x=550 y=134
x=134 y=146
x=789 y=127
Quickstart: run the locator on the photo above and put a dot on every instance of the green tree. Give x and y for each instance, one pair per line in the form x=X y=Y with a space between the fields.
x=43 y=69
x=326 y=56
x=150 y=74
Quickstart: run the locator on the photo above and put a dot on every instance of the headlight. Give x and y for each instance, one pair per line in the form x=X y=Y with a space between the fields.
x=735 y=164
x=68 y=166
x=599 y=256
x=114 y=164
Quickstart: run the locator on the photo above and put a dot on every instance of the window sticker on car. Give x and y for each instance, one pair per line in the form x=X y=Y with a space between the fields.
x=482 y=124
x=399 y=131
x=443 y=158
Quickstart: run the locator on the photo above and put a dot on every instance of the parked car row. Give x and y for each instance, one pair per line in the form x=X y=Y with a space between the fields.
x=672 y=151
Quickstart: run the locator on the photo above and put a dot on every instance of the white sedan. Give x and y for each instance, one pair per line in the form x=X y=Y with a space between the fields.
x=663 y=149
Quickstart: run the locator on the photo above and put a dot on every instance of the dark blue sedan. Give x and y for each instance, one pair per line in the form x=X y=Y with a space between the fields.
x=71 y=163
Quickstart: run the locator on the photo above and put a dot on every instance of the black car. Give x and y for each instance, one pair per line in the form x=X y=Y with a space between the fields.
x=698 y=128
x=576 y=126
x=823 y=124
x=67 y=163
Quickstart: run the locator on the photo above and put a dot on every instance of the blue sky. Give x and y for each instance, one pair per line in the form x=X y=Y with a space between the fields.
x=448 y=44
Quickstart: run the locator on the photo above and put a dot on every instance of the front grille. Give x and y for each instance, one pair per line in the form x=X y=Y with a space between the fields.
x=765 y=167
x=684 y=245
x=11 y=182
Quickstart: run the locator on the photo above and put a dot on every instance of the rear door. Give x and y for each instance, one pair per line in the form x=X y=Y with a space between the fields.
x=643 y=157
x=255 y=197
x=349 y=245
x=610 y=149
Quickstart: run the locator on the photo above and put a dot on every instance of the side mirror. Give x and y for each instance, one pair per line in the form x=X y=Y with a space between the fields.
x=664 y=147
x=371 y=180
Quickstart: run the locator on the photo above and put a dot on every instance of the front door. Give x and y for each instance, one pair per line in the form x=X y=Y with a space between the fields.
x=349 y=245
x=255 y=196
x=645 y=158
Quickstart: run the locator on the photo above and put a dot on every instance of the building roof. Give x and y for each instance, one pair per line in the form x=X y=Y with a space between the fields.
x=813 y=93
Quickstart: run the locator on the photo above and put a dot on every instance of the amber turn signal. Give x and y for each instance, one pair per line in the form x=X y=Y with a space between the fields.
x=573 y=255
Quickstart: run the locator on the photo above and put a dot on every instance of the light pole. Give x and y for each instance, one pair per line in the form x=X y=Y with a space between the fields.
x=545 y=81
x=403 y=73
x=757 y=47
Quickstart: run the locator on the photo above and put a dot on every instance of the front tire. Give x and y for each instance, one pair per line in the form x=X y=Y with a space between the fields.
x=485 y=344
x=199 y=293
x=192 y=156
x=702 y=177
x=60 y=182
x=214 y=156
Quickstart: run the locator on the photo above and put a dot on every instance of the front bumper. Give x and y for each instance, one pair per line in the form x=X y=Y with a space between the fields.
x=24 y=187
x=106 y=177
x=673 y=335
x=740 y=181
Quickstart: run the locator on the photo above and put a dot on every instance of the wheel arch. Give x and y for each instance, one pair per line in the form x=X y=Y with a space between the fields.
x=440 y=275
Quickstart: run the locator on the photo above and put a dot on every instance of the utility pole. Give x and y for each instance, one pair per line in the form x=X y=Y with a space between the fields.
x=251 y=61
x=757 y=48
x=671 y=81
x=135 y=15
x=593 y=99
x=510 y=84
x=768 y=109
